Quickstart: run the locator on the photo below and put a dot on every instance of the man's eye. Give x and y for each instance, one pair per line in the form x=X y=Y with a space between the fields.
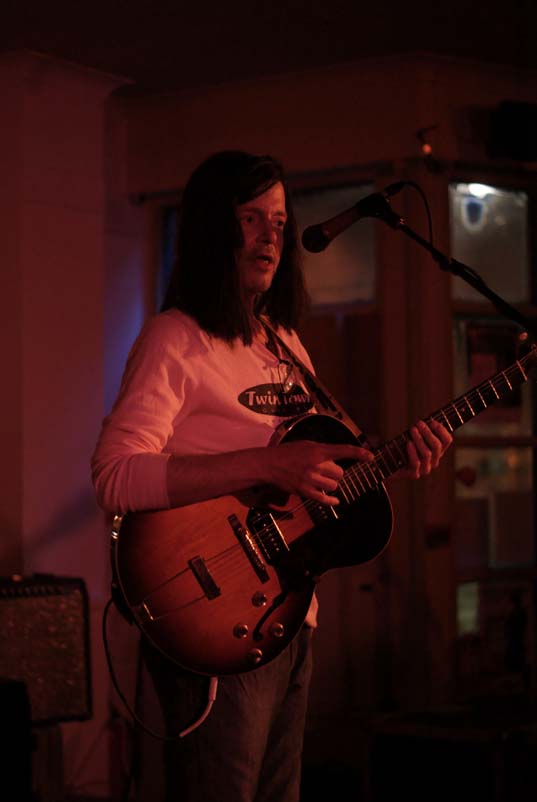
x=280 y=223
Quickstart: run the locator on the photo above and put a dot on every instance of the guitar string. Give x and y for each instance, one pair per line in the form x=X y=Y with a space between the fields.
x=365 y=474
x=364 y=477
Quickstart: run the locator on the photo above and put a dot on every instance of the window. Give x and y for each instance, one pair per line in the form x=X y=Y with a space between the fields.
x=342 y=333
x=489 y=233
x=494 y=523
x=345 y=271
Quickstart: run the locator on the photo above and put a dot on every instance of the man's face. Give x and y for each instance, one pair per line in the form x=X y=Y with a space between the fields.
x=262 y=221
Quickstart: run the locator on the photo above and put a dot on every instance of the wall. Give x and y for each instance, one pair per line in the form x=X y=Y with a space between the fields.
x=324 y=119
x=53 y=312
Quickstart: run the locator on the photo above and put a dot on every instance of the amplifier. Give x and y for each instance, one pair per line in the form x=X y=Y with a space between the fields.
x=44 y=642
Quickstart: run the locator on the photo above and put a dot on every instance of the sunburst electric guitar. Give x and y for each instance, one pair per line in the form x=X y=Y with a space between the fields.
x=223 y=586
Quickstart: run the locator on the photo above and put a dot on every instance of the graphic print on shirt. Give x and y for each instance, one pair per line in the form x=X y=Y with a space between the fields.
x=271 y=399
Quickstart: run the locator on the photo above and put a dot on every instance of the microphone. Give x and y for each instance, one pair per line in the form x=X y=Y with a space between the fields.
x=316 y=238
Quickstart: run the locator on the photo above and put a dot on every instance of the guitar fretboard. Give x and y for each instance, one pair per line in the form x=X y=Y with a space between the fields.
x=363 y=476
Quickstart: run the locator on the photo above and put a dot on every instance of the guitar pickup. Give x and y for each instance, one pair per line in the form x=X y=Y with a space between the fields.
x=203 y=575
x=243 y=536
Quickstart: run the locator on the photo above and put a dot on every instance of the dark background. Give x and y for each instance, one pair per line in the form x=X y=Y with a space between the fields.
x=171 y=45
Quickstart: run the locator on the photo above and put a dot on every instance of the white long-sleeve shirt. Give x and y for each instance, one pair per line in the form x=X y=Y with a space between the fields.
x=184 y=392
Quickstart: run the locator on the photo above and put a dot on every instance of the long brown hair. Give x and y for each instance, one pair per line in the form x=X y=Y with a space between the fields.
x=204 y=281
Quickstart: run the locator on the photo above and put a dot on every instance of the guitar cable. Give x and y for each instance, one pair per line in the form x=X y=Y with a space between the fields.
x=211 y=695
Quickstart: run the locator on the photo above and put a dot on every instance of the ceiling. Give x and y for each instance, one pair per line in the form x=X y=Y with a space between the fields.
x=167 y=45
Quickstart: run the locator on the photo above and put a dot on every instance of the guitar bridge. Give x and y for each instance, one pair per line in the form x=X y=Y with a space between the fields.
x=204 y=577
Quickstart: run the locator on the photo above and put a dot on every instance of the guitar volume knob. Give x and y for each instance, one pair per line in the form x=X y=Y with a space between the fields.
x=240 y=630
x=259 y=599
x=277 y=630
x=255 y=655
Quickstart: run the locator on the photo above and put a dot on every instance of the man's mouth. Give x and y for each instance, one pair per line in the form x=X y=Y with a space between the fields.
x=265 y=259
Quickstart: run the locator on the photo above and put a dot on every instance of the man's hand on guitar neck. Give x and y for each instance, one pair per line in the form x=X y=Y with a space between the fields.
x=309 y=469
x=301 y=467
x=425 y=450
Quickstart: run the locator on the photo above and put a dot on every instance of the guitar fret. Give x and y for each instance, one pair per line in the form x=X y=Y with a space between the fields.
x=402 y=454
x=476 y=402
x=491 y=393
x=481 y=398
x=357 y=471
x=462 y=410
x=507 y=380
x=349 y=484
x=380 y=457
x=379 y=469
x=368 y=471
x=395 y=462
x=350 y=478
x=400 y=458
x=458 y=413
x=450 y=427
x=366 y=478
x=378 y=473
x=493 y=389
x=469 y=406
x=522 y=371
x=342 y=485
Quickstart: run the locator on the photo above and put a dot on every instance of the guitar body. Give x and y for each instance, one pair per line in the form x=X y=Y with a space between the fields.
x=223 y=586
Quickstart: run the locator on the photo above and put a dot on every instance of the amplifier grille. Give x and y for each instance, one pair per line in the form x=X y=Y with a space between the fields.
x=44 y=641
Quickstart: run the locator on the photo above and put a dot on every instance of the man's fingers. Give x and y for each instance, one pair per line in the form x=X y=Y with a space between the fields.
x=428 y=444
x=324 y=498
x=442 y=433
x=351 y=452
x=414 y=466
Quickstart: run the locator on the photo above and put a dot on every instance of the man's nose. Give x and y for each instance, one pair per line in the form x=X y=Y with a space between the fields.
x=268 y=232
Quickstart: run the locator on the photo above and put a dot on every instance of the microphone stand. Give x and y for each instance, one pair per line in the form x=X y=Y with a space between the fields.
x=461 y=270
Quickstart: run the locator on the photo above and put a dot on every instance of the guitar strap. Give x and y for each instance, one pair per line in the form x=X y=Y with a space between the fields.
x=324 y=400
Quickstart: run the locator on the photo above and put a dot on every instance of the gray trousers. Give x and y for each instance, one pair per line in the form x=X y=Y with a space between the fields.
x=249 y=749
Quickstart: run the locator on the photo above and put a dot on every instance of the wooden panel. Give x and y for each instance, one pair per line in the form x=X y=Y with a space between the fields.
x=344 y=347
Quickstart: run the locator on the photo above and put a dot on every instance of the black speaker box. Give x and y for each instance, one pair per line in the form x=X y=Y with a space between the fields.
x=513 y=131
x=44 y=643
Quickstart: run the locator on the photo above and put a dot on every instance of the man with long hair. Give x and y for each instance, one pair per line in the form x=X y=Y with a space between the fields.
x=202 y=394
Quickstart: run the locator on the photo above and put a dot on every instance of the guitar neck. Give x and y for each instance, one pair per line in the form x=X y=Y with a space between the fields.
x=392 y=456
